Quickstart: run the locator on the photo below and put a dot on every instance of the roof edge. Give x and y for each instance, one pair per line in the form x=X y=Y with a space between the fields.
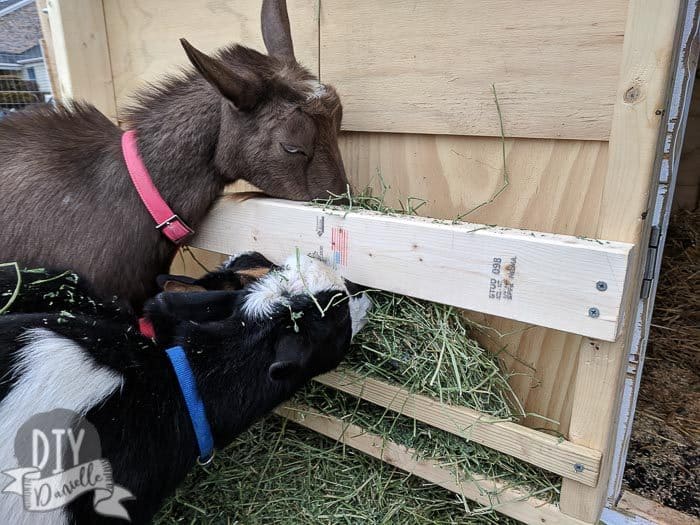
x=14 y=7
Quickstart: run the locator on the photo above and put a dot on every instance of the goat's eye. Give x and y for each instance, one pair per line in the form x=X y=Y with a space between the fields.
x=292 y=149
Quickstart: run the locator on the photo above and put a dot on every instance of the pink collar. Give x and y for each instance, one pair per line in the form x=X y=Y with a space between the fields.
x=167 y=221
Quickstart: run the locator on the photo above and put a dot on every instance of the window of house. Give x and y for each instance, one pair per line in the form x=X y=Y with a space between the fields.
x=31 y=74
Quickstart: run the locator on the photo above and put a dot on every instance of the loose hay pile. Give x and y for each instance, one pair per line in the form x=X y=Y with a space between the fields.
x=280 y=473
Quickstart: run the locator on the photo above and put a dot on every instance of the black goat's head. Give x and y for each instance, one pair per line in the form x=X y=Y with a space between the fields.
x=300 y=317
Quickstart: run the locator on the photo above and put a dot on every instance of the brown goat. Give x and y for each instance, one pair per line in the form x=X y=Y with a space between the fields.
x=66 y=199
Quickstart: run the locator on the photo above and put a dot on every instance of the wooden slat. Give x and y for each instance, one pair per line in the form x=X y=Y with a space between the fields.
x=427 y=66
x=480 y=489
x=543 y=450
x=47 y=48
x=634 y=142
x=654 y=512
x=81 y=53
x=543 y=279
x=144 y=36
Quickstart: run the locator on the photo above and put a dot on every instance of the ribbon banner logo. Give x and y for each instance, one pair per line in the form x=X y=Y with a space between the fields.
x=58 y=455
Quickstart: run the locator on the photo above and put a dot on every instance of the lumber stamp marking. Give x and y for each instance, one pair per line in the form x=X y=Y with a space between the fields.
x=539 y=278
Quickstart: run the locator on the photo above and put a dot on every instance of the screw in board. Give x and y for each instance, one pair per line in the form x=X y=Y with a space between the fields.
x=593 y=312
x=578 y=467
x=601 y=286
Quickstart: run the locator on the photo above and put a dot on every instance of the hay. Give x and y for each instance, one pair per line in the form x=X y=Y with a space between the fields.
x=278 y=473
x=470 y=461
x=281 y=473
x=426 y=348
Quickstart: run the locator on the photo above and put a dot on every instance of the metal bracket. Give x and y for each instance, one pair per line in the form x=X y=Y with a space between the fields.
x=652 y=260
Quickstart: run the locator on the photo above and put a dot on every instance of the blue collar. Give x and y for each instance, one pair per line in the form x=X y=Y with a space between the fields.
x=195 y=406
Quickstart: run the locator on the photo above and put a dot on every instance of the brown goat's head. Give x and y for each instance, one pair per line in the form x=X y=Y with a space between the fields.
x=279 y=125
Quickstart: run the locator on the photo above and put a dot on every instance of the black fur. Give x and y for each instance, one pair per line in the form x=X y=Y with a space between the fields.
x=243 y=368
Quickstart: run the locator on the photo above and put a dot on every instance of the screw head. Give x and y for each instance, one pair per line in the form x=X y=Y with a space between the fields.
x=578 y=467
x=601 y=286
x=593 y=312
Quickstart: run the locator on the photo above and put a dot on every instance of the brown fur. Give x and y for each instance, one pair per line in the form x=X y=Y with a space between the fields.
x=66 y=199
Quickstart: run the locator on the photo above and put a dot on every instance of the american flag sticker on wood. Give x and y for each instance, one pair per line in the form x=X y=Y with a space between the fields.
x=339 y=246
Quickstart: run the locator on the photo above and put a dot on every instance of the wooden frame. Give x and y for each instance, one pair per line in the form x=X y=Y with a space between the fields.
x=510 y=502
x=613 y=173
x=543 y=450
x=558 y=281
x=635 y=140
x=81 y=53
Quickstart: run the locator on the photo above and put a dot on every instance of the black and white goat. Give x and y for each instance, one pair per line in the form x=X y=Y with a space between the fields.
x=248 y=349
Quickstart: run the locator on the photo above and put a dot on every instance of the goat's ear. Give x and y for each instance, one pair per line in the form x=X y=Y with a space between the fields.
x=242 y=88
x=291 y=357
x=275 y=29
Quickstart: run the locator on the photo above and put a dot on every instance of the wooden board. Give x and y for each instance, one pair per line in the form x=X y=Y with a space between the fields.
x=79 y=41
x=548 y=280
x=509 y=501
x=427 y=66
x=654 y=512
x=635 y=140
x=543 y=450
x=555 y=186
x=47 y=48
x=144 y=36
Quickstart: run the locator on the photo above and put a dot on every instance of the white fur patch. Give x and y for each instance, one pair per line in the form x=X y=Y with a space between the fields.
x=297 y=276
x=317 y=90
x=51 y=372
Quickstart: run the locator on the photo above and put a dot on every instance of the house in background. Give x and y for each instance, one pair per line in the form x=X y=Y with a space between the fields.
x=24 y=78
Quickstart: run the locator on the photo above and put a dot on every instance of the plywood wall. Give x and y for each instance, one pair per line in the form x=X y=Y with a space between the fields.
x=419 y=113
x=554 y=186
x=427 y=66
x=144 y=36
